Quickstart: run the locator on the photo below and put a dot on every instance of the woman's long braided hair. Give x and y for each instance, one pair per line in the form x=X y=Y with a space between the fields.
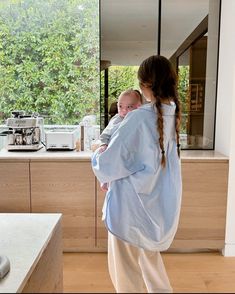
x=157 y=73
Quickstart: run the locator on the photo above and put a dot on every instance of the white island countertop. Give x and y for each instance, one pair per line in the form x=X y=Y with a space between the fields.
x=23 y=238
x=43 y=155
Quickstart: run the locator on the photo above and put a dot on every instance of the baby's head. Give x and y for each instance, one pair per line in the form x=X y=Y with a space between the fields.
x=128 y=101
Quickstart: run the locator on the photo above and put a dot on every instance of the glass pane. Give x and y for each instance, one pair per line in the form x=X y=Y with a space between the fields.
x=120 y=78
x=128 y=30
x=129 y=34
x=189 y=37
x=183 y=80
x=49 y=59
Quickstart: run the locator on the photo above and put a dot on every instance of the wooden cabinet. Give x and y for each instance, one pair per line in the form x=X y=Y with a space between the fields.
x=70 y=187
x=204 y=202
x=14 y=186
x=101 y=232
x=203 y=211
x=67 y=188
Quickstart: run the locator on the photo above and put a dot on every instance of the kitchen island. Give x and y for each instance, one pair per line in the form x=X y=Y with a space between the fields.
x=32 y=243
x=63 y=181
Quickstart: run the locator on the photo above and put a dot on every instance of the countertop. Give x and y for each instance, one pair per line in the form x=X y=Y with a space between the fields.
x=202 y=155
x=23 y=238
x=43 y=155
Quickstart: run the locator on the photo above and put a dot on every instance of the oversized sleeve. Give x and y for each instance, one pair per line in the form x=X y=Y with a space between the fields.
x=121 y=158
x=105 y=136
x=109 y=130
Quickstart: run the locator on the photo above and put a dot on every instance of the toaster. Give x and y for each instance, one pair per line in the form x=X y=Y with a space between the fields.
x=61 y=139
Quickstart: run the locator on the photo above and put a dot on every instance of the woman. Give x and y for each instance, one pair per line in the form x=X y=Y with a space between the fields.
x=142 y=165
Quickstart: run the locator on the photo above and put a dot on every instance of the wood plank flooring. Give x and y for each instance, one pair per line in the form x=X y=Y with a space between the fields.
x=208 y=272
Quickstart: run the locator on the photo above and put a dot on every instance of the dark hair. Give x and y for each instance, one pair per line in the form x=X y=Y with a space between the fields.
x=157 y=73
x=140 y=95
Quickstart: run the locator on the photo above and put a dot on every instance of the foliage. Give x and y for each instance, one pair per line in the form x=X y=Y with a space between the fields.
x=183 y=88
x=49 y=58
x=124 y=77
x=121 y=78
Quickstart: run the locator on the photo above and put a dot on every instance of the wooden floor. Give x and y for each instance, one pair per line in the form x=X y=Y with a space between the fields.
x=188 y=273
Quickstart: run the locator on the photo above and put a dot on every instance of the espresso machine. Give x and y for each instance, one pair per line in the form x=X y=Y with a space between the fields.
x=25 y=132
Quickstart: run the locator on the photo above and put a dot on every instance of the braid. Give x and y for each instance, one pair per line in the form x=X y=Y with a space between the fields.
x=157 y=73
x=177 y=123
x=160 y=130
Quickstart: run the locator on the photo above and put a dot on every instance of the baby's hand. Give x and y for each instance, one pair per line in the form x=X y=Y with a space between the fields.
x=104 y=187
x=103 y=148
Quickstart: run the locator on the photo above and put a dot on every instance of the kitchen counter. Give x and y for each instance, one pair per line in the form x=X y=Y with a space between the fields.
x=52 y=181
x=202 y=155
x=42 y=154
x=32 y=242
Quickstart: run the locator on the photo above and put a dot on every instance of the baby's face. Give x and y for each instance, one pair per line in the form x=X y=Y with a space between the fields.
x=127 y=103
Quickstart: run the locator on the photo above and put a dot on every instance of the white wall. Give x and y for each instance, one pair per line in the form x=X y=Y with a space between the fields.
x=225 y=116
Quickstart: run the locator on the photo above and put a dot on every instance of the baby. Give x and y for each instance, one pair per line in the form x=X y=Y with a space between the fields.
x=127 y=101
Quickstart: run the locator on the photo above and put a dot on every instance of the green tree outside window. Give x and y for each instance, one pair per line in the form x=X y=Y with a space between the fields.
x=49 y=58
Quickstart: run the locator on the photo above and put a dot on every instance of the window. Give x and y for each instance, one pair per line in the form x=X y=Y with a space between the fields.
x=120 y=78
x=186 y=32
x=129 y=32
x=189 y=37
x=49 y=59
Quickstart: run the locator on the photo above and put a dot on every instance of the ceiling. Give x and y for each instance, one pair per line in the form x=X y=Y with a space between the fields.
x=129 y=28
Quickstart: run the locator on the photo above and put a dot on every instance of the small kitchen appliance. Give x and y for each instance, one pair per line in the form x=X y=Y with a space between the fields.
x=25 y=132
x=63 y=138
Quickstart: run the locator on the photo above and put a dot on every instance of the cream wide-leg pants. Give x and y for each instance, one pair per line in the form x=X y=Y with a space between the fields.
x=133 y=269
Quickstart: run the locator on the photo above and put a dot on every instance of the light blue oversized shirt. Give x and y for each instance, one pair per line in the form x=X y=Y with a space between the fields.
x=142 y=205
x=110 y=129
